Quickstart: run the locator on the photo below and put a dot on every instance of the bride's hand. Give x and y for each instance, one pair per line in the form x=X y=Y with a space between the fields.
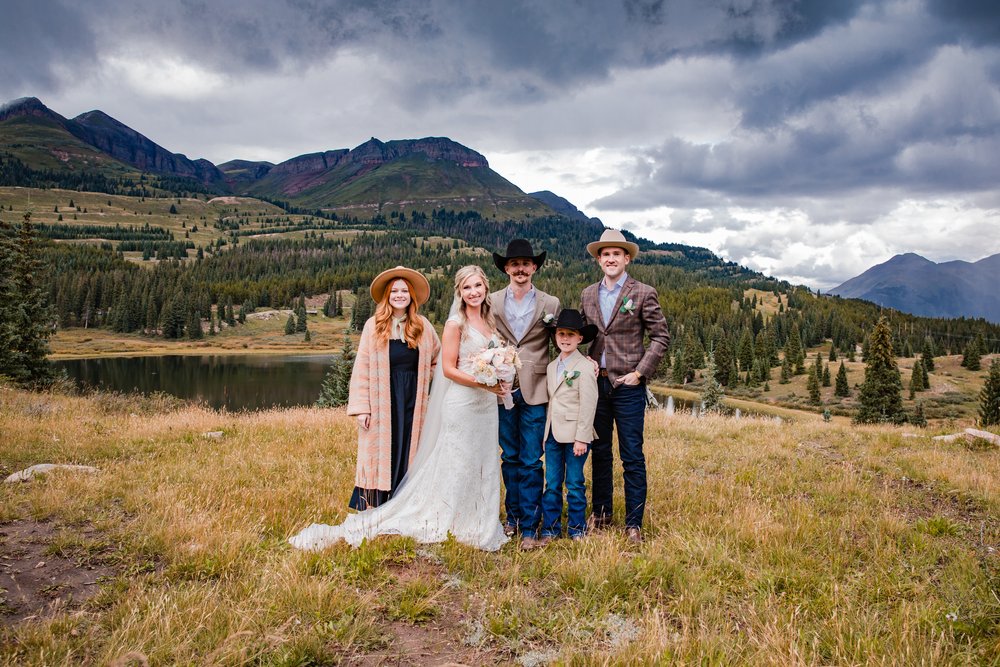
x=364 y=421
x=499 y=388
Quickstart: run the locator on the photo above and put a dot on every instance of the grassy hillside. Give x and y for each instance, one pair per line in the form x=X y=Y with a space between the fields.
x=251 y=216
x=410 y=183
x=768 y=544
x=42 y=143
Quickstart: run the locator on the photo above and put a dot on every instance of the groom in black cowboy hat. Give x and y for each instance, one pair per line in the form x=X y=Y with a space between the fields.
x=524 y=315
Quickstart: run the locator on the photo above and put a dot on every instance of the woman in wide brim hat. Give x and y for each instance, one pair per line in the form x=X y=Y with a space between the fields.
x=420 y=289
x=518 y=249
x=390 y=383
x=612 y=238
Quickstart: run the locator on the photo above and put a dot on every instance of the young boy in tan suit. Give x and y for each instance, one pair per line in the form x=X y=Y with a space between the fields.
x=569 y=427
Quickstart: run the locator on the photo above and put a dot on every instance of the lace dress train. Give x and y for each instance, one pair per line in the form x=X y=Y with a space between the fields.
x=452 y=487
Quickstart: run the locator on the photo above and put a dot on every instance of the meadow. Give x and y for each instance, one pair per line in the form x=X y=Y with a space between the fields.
x=795 y=543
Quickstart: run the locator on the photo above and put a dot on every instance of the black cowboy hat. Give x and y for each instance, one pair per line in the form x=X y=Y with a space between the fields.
x=515 y=249
x=570 y=318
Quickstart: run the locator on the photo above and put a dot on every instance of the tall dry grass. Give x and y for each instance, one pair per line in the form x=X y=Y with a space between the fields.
x=767 y=543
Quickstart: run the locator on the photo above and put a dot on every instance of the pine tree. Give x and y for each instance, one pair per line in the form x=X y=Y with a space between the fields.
x=826 y=375
x=336 y=386
x=300 y=319
x=694 y=354
x=228 y=310
x=711 y=393
x=812 y=384
x=880 y=399
x=793 y=351
x=744 y=351
x=842 y=388
x=8 y=302
x=723 y=357
x=290 y=325
x=308 y=337
x=973 y=354
x=927 y=355
x=833 y=353
x=918 y=418
x=193 y=325
x=25 y=318
x=989 y=397
x=330 y=304
x=679 y=375
x=786 y=371
x=917 y=377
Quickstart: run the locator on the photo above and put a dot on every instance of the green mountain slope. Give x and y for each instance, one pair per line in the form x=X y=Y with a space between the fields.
x=43 y=142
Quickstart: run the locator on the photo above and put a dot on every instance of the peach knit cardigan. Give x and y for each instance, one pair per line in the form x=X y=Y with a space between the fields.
x=369 y=394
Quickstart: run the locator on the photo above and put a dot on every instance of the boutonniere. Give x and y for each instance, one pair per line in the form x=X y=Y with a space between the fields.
x=628 y=306
x=569 y=377
x=548 y=320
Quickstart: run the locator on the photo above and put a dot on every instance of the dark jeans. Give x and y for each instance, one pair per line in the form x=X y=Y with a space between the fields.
x=622 y=407
x=561 y=464
x=521 y=431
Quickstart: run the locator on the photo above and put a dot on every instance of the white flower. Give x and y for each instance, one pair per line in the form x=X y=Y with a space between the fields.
x=628 y=306
x=952 y=616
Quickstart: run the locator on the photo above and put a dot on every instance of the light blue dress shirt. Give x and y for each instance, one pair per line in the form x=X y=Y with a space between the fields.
x=519 y=313
x=607 y=298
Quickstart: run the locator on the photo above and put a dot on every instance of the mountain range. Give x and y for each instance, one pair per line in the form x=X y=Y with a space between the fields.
x=914 y=284
x=375 y=177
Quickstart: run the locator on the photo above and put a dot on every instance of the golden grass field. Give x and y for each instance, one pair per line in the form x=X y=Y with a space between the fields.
x=800 y=543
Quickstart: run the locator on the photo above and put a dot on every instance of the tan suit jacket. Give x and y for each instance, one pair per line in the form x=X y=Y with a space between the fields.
x=622 y=337
x=571 y=411
x=533 y=348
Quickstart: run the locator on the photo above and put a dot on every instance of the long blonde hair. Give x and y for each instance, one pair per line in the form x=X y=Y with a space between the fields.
x=413 y=330
x=458 y=306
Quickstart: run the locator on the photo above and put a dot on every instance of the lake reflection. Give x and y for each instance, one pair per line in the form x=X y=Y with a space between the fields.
x=235 y=382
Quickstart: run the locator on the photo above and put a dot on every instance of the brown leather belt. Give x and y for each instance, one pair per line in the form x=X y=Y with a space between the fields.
x=603 y=372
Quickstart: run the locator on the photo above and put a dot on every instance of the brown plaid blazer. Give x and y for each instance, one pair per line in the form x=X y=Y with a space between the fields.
x=533 y=349
x=622 y=337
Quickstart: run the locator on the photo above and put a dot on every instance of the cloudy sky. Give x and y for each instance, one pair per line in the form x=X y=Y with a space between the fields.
x=806 y=139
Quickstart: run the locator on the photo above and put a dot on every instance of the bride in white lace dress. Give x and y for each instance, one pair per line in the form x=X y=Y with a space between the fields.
x=453 y=484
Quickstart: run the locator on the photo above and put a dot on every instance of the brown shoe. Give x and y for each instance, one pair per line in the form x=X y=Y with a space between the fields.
x=531 y=543
x=599 y=521
x=633 y=535
x=509 y=530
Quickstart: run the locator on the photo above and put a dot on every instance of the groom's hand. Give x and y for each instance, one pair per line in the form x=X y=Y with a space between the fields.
x=580 y=448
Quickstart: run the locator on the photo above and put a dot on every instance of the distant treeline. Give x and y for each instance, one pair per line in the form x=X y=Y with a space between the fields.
x=702 y=296
x=14 y=172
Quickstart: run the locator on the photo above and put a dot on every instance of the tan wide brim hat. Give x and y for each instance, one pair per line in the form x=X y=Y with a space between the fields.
x=420 y=289
x=612 y=238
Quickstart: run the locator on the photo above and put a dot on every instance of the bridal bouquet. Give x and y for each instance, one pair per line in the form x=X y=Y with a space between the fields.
x=496 y=363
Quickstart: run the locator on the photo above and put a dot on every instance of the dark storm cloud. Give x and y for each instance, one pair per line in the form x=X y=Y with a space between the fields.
x=480 y=44
x=37 y=38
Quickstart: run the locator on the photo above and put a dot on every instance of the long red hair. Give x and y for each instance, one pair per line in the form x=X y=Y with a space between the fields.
x=413 y=330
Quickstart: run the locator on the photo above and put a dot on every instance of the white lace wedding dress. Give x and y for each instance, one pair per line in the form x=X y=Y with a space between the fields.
x=453 y=485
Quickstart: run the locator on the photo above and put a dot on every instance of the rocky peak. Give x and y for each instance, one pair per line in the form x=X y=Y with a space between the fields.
x=28 y=106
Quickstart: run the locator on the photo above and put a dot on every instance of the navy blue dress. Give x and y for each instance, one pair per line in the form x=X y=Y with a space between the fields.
x=403 y=365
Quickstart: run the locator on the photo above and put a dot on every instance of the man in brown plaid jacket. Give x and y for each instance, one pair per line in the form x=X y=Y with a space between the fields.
x=624 y=310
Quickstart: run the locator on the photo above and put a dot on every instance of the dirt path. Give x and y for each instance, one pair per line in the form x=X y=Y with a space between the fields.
x=46 y=568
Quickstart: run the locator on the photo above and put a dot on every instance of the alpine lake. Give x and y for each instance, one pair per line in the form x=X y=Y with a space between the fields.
x=234 y=382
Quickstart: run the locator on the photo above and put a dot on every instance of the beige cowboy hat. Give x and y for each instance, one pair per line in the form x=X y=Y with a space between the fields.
x=420 y=288
x=612 y=238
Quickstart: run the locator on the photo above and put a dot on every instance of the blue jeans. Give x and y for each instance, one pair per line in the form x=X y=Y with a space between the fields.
x=560 y=464
x=521 y=431
x=622 y=407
